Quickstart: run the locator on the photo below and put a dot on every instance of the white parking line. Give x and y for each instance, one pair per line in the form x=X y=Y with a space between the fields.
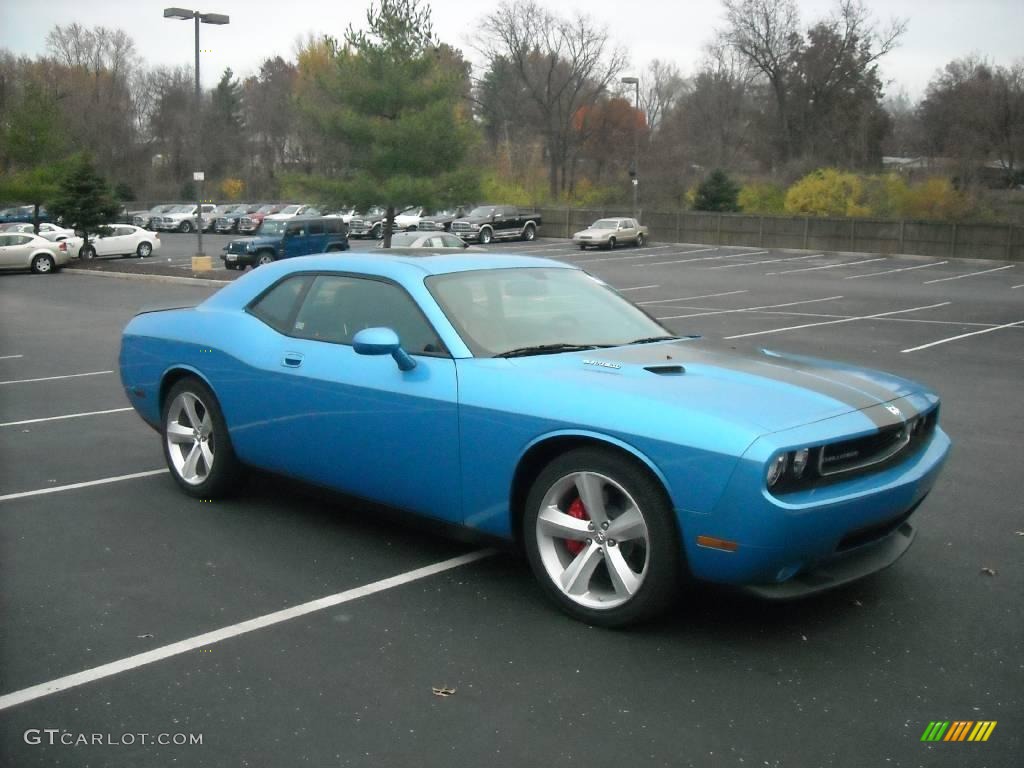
x=962 y=336
x=637 y=288
x=969 y=274
x=10 y=357
x=55 y=378
x=234 y=630
x=766 y=261
x=827 y=266
x=684 y=298
x=893 y=271
x=86 y=484
x=1015 y=287
x=627 y=258
x=750 y=309
x=836 y=322
x=702 y=258
x=65 y=416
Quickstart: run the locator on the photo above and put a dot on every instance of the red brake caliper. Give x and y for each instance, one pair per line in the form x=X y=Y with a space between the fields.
x=577 y=510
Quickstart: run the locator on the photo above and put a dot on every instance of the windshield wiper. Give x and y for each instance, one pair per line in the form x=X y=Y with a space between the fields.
x=650 y=339
x=548 y=349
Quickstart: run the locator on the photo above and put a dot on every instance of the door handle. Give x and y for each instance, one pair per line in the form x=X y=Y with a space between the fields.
x=291 y=360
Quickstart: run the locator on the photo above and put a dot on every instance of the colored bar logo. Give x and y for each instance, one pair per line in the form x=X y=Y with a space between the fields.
x=958 y=730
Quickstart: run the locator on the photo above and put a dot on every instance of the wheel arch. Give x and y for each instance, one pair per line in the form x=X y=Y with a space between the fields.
x=175 y=374
x=543 y=450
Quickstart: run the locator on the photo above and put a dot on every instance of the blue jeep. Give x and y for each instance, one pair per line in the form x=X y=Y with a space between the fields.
x=286 y=238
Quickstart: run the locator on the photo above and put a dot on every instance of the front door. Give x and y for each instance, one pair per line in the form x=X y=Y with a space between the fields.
x=357 y=423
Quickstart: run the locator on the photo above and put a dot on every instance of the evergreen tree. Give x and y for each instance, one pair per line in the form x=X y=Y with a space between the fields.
x=84 y=200
x=717 y=193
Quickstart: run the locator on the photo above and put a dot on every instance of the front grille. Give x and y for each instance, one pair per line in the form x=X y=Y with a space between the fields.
x=882 y=447
x=427 y=226
x=138 y=221
x=236 y=247
x=461 y=226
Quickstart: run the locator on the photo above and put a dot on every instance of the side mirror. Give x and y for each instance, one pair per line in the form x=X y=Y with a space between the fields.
x=382 y=341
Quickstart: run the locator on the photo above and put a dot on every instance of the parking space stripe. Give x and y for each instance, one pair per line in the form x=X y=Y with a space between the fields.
x=1015 y=287
x=962 y=336
x=55 y=378
x=637 y=288
x=702 y=258
x=225 y=633
x=10 y=357
x=765 y=261
x=827 y=266
x=969 y=274
x=894 y=271
x=86 y=484
x=689 y=298
x=628 y=258
x=65 y=416
x=750 y=309
x=836 y=322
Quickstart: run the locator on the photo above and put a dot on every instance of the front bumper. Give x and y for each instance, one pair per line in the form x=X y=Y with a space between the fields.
x=241 y=259
x=813 y=540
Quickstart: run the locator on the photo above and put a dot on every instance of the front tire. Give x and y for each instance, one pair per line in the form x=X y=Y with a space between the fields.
x=611 y=243
x=583 y=247
x=530 y=233
x=486 y=236
x=87 y=252
x=196 y=443
x=263 y=259
x=185 y=227
x=640 y=241
x=601 y=538
x=43 y=264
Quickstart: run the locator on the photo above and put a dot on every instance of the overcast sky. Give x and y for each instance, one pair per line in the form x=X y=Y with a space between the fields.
x=673 y=30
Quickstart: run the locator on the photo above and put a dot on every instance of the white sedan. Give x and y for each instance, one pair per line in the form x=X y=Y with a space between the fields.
x=122 y=240
x=51 y=232
x=23 y=250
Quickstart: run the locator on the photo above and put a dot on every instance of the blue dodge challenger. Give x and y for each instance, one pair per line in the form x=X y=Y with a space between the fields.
x=524 y=398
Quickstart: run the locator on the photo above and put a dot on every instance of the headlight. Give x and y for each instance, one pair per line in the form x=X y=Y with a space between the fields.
x=776 y=468
x=800 y=462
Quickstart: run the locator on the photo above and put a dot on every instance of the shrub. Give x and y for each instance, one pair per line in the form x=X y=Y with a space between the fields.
x=716 y=193
x=762 y=197
x=232 y=189
x=936 y=199
x=827 y=192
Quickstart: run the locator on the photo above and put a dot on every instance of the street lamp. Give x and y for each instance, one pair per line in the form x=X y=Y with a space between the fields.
x=184 y=14
x=634 y=173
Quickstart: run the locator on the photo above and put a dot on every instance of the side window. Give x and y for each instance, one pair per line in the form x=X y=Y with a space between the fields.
x=124 y=231
x=315 y=228
x=334 y=226
x=293 y=230
x=277 y=306
x=6 y=240
x=338 y=307
x=21 y=239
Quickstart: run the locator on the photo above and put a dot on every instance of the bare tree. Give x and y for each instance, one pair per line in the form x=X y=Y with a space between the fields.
x=661 y=86
x=564 y=64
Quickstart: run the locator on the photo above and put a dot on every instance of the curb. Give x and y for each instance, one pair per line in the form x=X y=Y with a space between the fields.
x=154 y=278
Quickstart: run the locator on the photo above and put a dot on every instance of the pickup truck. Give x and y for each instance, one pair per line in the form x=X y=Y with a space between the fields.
x=441 y=220
x=486 y=223
x=182 y=218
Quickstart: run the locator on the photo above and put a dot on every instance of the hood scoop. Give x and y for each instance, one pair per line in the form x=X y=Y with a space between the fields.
x=666 y=370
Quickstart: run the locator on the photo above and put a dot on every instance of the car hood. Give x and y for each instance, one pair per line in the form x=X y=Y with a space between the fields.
x=256 y=240
x=595 y=232
x=767 y=390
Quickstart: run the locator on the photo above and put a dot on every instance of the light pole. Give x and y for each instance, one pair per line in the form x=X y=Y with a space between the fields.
x=635 y=172
x=185 y=14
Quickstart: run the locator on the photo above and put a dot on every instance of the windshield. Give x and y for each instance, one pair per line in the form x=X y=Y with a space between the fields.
x=183 y=209
x=290 y=209
x=498 y=310
x=482 y=212
x=267 y=209
x=272 y=227
x=605 y=224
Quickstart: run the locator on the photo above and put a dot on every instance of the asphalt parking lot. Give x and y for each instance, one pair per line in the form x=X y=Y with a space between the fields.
x=102 y=560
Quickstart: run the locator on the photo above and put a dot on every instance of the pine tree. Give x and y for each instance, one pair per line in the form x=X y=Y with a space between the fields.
x=84 y=200
x=717 y=193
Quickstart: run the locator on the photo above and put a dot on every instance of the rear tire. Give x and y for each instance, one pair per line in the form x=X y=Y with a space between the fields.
x=44 y=264
x=640 y=241
x=611 y=243
x=87 y=252
x=144 y=250
x=197 y=446
x=601 y=538
x=583 y=247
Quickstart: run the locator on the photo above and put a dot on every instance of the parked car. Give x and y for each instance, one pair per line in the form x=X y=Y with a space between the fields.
x=409 y=219
x=345 y=213
x=49 y=231
x=497 y=222
x=608 y=233
x=284 y=239
x=210 y=219
x=251 y=221
x=182 y=218
x=121 y=240
x=227 y=222
x=293 y=211
x=553 y=412
x=22 y=213
x=23 y=250
x=145 y=219
x=435 y=240
x=441 y=220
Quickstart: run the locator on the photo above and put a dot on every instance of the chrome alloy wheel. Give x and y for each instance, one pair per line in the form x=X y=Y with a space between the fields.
x=190 y=438
x=592 y=540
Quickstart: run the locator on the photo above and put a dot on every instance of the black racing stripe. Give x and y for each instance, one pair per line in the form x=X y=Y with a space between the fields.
x=883 y=417
x=853 y=391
